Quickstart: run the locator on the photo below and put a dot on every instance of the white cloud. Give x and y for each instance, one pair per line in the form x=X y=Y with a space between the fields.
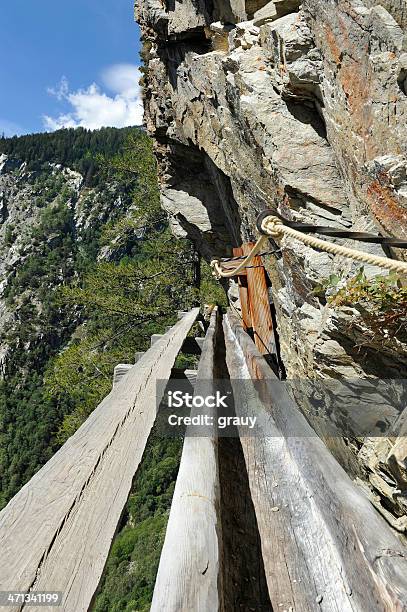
x=61 y=91
x=123 y=79
x=92 y=108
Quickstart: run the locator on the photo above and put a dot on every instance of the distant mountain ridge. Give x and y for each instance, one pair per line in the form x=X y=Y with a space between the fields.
x=74 y=148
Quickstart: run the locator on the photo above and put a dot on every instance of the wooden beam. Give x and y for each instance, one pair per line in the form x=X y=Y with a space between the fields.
x=243 y=293
x=262 y=322
x=120 y=371
x=188 y=574
x=324 y=545
x=56 y=533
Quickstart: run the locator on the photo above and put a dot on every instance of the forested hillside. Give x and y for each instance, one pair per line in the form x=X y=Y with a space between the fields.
x=72 y=148
x=52 y=225
x=89 y=271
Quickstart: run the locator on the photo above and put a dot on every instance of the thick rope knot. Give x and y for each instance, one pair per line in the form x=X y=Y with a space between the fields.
x=219 y=272
x=272 y=226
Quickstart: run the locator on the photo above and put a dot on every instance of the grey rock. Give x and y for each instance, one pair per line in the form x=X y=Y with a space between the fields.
x=152 y=14
x=22 y=202
x=187 y=16
x=274 y=10
x=244 y=35
x=364 y=108
x=385 y=30
x=297 y=65
x=301 y=109
x=219 y=35
x=267 y=13
x=396 y=8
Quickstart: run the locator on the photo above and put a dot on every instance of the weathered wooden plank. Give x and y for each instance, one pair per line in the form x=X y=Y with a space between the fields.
x=138 y=355
x=188 y=574
x=243 y=293
x=324 y=546
x=55 y=534
x=121 y=370
x=262 y=322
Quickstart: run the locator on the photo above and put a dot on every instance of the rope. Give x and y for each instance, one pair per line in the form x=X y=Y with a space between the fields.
x=263 y=254
x=273 y=226
x=219 y=272
x=276 y=227
x=326 y=230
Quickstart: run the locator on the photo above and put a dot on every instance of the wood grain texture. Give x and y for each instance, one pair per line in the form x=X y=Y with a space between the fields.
x=243 y=293
x=324 y=546
x=56 y=533
x=188 y=574
x=260 y=311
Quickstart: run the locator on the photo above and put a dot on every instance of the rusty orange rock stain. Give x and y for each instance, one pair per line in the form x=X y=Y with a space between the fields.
x=333 y=47
x=386 y=208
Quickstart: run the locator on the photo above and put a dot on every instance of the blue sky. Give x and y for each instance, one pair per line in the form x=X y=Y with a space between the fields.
x=67 y=64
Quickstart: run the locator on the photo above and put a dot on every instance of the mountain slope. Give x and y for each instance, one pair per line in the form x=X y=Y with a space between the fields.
x=89 y=270
x=52 y=216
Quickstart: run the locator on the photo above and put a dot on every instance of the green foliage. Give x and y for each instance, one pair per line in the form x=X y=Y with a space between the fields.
x=382 y=301
x=141 y=286
x=27 y=417
x=74 y=148
x=132 y=568
x=136 y=161
x=328 y=285
x=30 y=415
x=123 y=304
x=129 y=577
x=55 y=236
x=211 y=291
x=26 y=424
x=9 y=235
x=125 y=301
x=77 y=314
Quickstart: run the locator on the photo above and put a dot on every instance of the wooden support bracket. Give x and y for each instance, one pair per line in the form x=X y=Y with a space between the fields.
x=255 y=303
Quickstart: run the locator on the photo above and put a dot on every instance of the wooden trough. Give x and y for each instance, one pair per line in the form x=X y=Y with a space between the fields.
x=324 y=545
x=188 y=573
x=56 y=533
x=257 y=523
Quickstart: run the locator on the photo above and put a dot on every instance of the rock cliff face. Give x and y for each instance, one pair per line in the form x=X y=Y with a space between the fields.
x=302 y=109
x=28 y=199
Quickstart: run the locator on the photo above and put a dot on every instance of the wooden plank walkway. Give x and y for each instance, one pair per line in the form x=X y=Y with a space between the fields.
x=324 y=545
x=188 y=574
x=56 y=533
